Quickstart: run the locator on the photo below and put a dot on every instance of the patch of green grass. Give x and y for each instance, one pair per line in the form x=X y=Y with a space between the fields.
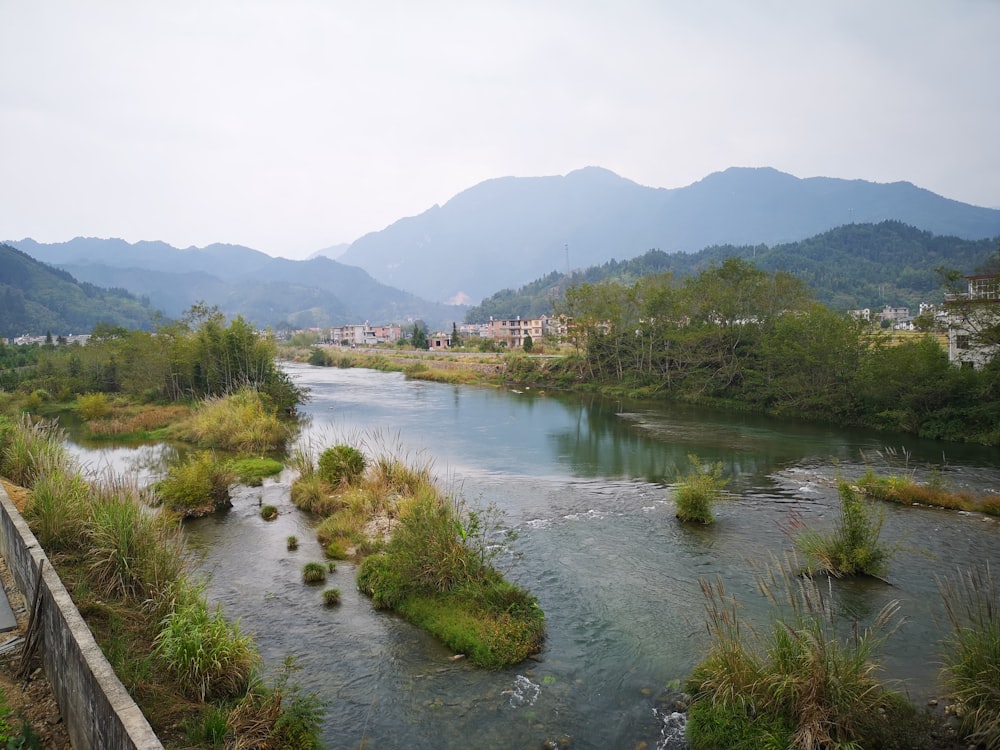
x=269 y=512
x=252 y=471
x=491 y=638
x=331 y=597
x=907 y=491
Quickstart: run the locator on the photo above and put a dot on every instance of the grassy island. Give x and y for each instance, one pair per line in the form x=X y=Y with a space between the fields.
x=423 y=553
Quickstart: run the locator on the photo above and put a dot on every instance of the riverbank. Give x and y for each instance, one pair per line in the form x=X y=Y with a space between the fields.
x=32 y=700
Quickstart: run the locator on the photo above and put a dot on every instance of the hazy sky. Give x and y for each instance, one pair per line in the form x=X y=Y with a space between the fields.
x=292 y=125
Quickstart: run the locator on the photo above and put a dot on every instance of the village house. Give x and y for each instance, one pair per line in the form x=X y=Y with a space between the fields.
x=364 y=334
x=969 y=314
x=514 y=331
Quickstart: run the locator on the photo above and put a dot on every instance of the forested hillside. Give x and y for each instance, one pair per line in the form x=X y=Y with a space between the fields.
x=851 y=267
x=36 y=299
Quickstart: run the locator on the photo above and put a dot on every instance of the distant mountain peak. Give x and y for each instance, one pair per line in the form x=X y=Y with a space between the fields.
x=504 y=232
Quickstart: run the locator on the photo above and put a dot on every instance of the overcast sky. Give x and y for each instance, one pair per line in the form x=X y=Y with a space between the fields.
x=292 y=125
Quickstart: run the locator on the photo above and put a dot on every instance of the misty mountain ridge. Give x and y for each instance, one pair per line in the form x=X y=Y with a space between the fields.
x=266 y=291
x=501 y=234
x=506 y=231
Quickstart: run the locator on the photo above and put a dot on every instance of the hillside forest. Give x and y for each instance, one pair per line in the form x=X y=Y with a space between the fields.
x=851 y=267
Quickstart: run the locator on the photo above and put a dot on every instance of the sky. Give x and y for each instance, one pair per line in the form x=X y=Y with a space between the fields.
x=290 y=126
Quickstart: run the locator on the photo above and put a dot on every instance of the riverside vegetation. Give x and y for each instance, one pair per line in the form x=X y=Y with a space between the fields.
x=731 y=335
x=745 y=338
x=197 y=677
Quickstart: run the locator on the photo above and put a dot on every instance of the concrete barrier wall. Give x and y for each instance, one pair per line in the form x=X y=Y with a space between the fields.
x=98 y=710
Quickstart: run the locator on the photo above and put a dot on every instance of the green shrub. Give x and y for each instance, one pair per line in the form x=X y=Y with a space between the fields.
x=313 y=572
x=196 y=485
x=972 y=654
x=698 y=490
x=269 y=512
x=320 y=357
x=209 y=657
x=854 y=547
x=292 y=543
x=280 y=716
x=799 y=684
x=331 y=597
x=93 y=406
x=341 y=464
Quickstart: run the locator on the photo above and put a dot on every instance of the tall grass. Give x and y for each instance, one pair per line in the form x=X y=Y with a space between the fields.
x=196 y=485
x=854 y=547
x=799 y=684
x=972 y=653
x=244 y=421
x=698 y=490
x=907 y=491
x=133 y=553
x=30 y=449
x=58 y=510
x=210 y=657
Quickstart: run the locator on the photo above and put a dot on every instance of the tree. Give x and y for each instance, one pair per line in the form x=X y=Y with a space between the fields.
x=456 y=341
x=418 y=338
x=528 y=343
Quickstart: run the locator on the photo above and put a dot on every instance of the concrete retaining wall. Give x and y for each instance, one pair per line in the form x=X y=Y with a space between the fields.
x=98 y=711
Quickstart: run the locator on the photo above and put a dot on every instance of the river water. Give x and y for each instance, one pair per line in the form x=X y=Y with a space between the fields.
x=585 y=483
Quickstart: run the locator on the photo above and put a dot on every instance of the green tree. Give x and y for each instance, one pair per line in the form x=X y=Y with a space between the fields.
x=418 y=337
x=456 y=340
x=528 y=344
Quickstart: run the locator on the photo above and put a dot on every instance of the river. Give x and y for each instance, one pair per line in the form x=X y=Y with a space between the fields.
x=585 y=483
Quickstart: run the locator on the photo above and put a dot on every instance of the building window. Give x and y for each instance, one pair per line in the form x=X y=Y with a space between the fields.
x=961 y=342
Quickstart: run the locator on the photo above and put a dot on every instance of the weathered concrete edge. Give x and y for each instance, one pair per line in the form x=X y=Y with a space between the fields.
x=98 y=710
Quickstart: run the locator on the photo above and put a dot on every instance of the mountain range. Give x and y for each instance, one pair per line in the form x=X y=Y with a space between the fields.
x=267 y=291
x=503 y=233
